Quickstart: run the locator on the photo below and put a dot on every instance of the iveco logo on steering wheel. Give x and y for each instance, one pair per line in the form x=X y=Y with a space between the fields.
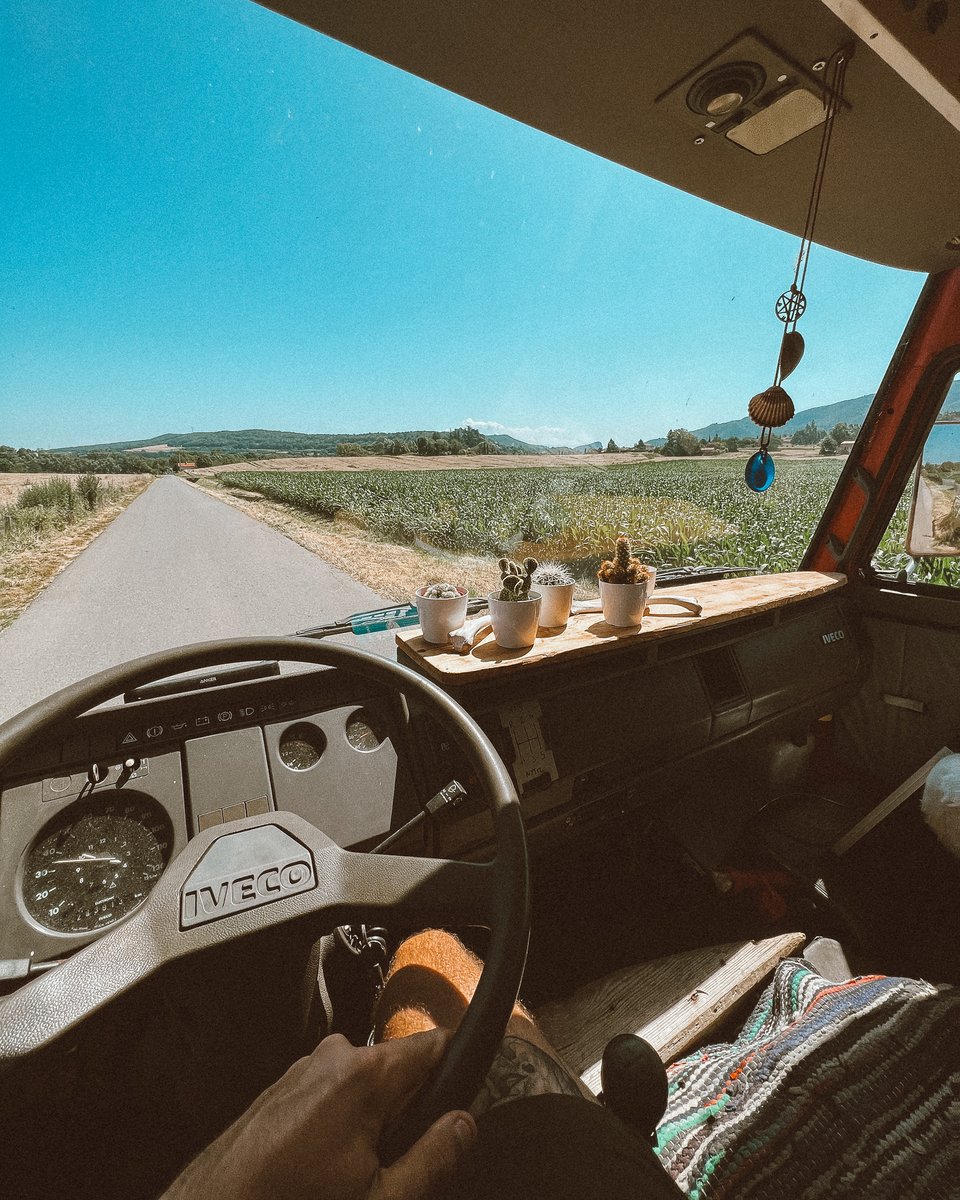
x=244 y=870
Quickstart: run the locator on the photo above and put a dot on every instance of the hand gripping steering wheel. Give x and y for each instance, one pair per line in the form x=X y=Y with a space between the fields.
x=321 y=884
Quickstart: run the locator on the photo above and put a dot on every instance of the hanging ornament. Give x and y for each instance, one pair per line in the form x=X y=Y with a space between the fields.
x=791 y=351
x=760 y=471
x=773 y=407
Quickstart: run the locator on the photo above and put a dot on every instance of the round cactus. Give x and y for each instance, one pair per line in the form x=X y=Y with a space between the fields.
x=441 y=591
x=551 y=574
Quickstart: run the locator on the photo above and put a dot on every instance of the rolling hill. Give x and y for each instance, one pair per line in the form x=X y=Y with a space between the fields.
x=264 y=443
x=851 y=412
x=260 y=443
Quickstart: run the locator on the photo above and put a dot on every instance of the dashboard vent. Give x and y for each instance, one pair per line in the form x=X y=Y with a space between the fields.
x=721 y=678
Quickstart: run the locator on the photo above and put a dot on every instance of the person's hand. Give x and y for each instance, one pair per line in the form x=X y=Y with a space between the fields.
x=314 y=1133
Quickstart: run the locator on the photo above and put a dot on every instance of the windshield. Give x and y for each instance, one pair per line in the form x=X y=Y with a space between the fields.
x=244 y=252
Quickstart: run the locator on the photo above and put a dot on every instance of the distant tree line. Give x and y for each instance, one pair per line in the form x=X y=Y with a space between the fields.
x=102 y=462
x=458 y=441
x=681 y=443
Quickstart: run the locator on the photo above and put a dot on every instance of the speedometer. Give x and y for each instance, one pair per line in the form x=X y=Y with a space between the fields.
x=95 y=862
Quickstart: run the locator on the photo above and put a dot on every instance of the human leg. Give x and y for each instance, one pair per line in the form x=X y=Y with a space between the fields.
x=553 y=1140
x=430 y=982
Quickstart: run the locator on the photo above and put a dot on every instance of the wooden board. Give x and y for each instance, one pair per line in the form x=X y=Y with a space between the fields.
x=673 y=1002
x=723 y=600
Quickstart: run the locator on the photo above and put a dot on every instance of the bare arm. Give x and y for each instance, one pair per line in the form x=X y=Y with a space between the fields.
x=315 y=1132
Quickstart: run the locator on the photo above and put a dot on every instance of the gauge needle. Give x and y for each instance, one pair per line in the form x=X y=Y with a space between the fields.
x=89 y=858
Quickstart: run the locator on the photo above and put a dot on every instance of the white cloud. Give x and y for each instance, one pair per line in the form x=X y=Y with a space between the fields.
x=538 y=434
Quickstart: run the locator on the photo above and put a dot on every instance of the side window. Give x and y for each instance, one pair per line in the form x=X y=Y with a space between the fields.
x=922 y=542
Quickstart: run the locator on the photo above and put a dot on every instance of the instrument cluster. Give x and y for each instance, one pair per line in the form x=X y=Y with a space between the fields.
x=90 y=819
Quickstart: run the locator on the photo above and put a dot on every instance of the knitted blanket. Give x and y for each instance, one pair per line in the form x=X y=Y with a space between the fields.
x=831 y=1090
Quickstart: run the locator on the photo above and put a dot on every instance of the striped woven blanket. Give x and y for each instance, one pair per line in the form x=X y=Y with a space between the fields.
x=831 y=1090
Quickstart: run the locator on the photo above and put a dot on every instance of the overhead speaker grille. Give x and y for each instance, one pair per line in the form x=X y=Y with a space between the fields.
x=726 y=88
x=749 y=94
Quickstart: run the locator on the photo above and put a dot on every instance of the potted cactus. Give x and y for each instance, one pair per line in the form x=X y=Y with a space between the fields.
x=442 y=608
x=625 y=583
x=515 y=609
x=555 y=585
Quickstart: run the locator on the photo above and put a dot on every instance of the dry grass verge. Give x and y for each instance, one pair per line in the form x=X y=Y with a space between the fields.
x=26 y=571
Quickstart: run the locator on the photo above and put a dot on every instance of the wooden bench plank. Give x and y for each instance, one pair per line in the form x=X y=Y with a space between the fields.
x=673 y=1002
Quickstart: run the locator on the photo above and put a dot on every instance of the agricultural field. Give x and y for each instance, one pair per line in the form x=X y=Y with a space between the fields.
x=676 y=513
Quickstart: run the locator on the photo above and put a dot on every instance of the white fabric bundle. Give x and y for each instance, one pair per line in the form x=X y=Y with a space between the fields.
x=941 y=802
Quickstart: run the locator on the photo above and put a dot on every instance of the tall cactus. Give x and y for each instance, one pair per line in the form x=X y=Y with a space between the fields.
x=623 y=567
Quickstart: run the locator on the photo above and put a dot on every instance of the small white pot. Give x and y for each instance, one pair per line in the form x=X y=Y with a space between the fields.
x=515 y=622
x=440 y=615
x=555 y=603
x=623 y=603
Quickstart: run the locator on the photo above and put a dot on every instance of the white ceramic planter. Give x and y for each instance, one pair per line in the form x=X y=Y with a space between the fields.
x=440 y=615
x=623 y=603
x=555 y=602
x=515 y=621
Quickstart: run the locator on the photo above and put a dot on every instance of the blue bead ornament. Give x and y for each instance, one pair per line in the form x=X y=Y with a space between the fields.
x=759 y=472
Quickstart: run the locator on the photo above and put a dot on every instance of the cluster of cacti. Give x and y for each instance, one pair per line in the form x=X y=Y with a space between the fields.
x=623 y=567
x=442 y=591
x=515 y=578
x=551 y=574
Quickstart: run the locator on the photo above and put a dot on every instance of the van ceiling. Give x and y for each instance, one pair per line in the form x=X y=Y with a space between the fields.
x=591 y=72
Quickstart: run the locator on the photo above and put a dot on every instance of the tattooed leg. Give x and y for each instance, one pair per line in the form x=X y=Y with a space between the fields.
x=523 y=1069
x=430 y=982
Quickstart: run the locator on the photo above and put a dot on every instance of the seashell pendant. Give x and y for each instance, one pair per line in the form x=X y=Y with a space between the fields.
x=771 y=408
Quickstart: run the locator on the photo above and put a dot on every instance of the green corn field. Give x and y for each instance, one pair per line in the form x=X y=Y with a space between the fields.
x=692 y=513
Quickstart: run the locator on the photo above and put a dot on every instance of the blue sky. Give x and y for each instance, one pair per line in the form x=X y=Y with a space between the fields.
x=215 y=218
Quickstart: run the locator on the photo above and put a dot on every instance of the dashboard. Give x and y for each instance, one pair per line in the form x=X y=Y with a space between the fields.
x=90 y=819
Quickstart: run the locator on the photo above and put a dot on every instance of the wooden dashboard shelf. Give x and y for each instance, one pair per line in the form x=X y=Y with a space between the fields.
x=723 y=600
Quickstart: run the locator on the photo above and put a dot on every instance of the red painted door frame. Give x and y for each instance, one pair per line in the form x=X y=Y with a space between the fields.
x=893 y=433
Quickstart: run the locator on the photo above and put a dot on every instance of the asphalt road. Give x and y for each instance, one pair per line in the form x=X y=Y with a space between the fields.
x=920 y=537
x=177 y=566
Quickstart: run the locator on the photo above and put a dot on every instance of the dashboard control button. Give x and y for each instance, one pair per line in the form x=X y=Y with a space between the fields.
x=207 y=820
x=234 y=812
x=258 y=807
x=59 y=786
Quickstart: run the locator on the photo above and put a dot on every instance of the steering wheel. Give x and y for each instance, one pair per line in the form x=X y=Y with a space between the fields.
x=298 y=874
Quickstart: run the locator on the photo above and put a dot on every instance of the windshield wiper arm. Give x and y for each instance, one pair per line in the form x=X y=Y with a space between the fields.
x=379 y=619
x=670 y=574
